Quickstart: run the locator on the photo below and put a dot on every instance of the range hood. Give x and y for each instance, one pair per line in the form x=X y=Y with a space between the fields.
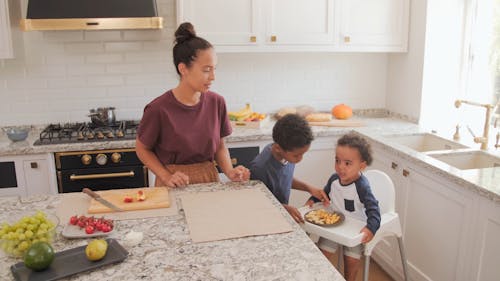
x=91 y=15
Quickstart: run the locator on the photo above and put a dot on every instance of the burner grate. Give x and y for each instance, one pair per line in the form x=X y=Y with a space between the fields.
x=87 y=132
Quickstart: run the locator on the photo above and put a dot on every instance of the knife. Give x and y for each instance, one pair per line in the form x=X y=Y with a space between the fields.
x=101 y=200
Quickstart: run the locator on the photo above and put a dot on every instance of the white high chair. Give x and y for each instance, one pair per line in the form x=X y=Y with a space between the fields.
x=347 y=233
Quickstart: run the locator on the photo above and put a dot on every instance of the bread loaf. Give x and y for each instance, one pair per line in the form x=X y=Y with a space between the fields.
x=319 y=117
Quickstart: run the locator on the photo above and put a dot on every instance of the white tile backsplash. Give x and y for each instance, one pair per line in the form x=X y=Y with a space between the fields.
x=62 y=74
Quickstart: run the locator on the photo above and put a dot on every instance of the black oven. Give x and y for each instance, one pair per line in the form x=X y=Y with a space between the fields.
x=99 y=170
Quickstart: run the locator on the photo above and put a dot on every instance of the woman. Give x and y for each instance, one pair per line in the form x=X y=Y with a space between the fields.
x=182 y=131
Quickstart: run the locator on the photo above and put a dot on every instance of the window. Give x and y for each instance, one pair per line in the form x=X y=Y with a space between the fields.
x=481 y=67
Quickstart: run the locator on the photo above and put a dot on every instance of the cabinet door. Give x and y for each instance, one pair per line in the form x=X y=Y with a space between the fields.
x=299 y=22
x=6 y=50
x=222 y=22
x=486 y=246
x=380 y=25
x=12 y=177
x=438 y=219
x=36 y=172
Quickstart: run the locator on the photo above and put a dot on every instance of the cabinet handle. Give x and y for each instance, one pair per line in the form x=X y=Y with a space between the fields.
x=394 y=165
x=253 y=39
x=34 y=165
x=273 y=38
x=347 y=39
x=74 y=177
x=406 y=172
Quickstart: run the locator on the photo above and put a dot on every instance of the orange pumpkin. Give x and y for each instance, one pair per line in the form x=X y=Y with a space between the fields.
x=342 y=111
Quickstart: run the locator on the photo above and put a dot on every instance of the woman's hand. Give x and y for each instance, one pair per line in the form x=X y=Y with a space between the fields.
x=177 y=179
x=239 y=173
x=368 y=235
x=294 y=213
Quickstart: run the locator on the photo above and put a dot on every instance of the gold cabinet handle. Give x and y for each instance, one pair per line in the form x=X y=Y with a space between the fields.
x=406 y=172
x=253 y=39
x=347 y=39
x=394 y=165
x=273 y=38
x=74 y=177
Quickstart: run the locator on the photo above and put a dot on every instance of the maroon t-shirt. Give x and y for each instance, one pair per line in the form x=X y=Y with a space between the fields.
x=182 y=134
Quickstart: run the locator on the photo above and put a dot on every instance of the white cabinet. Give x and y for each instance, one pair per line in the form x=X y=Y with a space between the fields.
x=484 y=258
x=6 y=48
x=367 y=25
x=261 y=25
x=437 y=216
x=27 y=175
x=223 y=23
x=299 y=25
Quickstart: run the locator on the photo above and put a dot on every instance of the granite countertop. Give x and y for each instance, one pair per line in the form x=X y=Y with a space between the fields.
x=485 y=182
x=373 y=125
x=167 y=252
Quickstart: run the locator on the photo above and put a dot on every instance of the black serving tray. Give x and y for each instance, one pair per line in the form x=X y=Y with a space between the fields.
x=70 y=262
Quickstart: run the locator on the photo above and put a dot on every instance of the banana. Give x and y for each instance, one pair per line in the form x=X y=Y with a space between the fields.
x=242 y=114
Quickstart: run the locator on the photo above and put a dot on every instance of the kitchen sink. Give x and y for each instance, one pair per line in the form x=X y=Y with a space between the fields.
x=424 y=142
x=468 y=159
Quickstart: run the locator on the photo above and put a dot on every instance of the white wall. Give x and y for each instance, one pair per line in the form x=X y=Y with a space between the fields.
x=405 y=71
x=59 y=75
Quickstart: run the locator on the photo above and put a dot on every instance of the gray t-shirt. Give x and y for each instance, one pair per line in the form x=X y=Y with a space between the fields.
x=275 y=175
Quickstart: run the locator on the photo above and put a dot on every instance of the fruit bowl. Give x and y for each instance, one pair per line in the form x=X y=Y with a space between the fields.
x=23 y=229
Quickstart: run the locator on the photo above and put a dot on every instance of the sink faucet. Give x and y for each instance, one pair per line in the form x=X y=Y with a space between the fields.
x=489 y=107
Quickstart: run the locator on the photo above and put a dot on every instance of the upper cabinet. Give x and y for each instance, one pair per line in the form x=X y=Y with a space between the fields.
x=299 y=25
x=367 y=25
x=6 y=49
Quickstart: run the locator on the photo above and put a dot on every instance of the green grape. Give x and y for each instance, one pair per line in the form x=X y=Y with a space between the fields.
x=19 y=236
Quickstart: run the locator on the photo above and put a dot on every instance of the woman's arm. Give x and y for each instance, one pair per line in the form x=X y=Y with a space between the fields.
x=149 y=158
x=223 y=159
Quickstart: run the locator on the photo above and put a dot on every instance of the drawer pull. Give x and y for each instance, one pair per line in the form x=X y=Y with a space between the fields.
x=34 y=165
x=406 y=173
x=394 y=165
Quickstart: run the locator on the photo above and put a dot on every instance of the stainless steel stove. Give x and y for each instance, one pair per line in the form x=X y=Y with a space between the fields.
x=87 y=132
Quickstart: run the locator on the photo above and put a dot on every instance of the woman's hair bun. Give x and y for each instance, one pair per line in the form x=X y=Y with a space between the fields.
x=184 y=32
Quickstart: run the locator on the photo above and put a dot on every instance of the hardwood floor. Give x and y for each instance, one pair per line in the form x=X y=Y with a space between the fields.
x=376 y=272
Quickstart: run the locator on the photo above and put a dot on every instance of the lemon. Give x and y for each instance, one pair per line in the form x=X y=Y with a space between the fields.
x=39 y=256
x=96 y=249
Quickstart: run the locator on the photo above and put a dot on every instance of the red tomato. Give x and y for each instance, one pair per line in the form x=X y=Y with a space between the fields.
x=89 y=229
x=73 y=220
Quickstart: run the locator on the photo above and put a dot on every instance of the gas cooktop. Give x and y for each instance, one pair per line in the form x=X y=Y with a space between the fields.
x=87 y=132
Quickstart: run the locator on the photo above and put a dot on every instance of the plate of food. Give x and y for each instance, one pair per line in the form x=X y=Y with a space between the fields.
x=324 y=217
x=84 y=227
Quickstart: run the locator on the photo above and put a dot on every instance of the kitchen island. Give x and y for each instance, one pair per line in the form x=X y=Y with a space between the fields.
x=167 y=252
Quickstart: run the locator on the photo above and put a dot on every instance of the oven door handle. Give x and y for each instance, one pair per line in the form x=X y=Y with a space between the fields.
x=74 y=177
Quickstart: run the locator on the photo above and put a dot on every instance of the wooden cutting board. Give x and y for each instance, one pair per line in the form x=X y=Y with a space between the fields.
x=338 y=123
x=156 y=197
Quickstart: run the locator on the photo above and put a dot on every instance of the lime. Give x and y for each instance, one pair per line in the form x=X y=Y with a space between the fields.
x=39 y=256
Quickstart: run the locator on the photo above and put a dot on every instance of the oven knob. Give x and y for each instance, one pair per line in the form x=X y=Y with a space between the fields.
x=116 y=157
x=86 y=159
x=101 y=159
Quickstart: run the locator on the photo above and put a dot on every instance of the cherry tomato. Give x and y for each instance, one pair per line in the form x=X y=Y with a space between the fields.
x=89 y=229
x=73 y=220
